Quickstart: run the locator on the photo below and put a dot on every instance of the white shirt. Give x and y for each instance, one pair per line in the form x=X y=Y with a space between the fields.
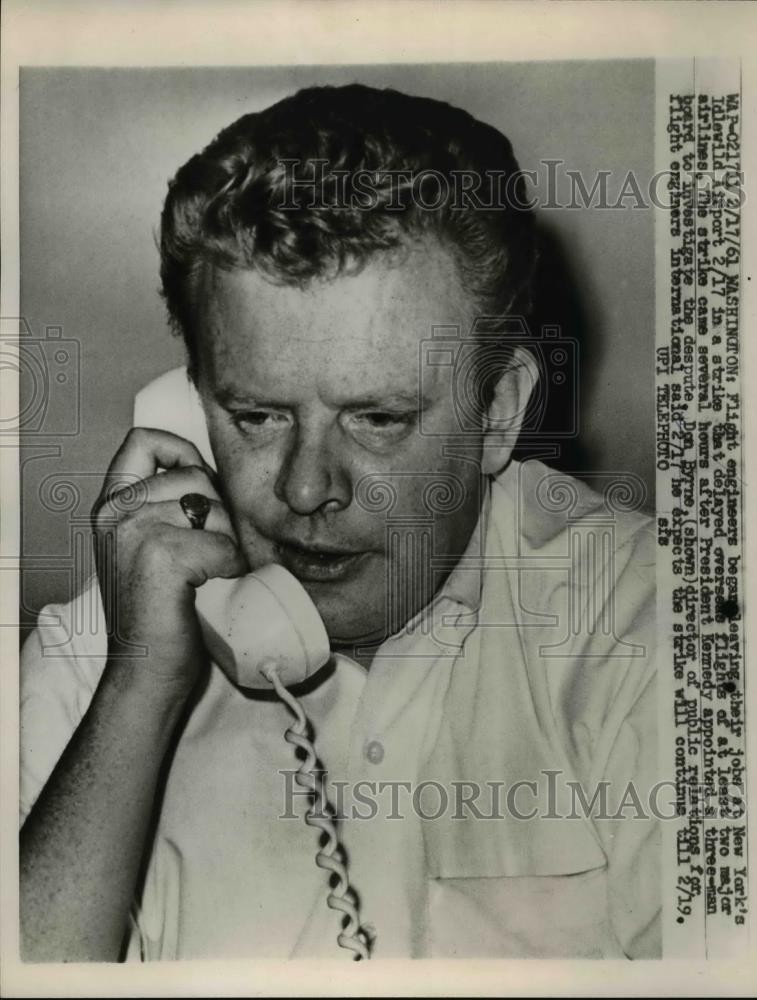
x=534 y=664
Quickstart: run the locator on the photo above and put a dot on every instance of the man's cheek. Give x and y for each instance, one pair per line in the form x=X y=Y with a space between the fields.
x=251 y=515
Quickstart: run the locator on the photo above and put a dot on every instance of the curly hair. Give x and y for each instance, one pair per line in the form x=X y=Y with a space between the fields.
x=323 y=181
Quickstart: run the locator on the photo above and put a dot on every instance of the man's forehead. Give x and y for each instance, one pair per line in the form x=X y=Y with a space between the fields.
x=369 y=366
x=385 y=299
x=357 y=339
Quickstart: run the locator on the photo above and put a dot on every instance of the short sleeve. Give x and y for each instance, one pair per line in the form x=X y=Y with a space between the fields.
x=633 y=842
x=609 y=711
x=60 y=668
x=626 y=760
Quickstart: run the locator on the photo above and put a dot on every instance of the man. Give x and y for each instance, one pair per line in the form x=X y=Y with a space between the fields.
x=309 y=255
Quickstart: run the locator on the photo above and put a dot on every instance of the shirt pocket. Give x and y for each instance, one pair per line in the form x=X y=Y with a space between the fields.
x=547 y=916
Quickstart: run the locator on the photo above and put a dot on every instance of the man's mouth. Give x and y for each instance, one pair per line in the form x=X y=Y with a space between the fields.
x=318 y=564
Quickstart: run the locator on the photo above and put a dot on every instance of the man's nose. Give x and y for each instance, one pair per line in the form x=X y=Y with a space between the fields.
x=312 y=477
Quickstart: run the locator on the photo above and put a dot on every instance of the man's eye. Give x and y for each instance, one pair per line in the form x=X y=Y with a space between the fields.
x=252 y=421
x=381 y=428
x=380 y=420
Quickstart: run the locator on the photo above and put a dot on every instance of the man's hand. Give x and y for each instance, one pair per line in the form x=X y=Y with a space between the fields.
x=82 y=843
x=150 y=559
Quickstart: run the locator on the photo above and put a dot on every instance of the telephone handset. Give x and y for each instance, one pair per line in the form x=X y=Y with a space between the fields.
x=263 y=631
x=260 y=623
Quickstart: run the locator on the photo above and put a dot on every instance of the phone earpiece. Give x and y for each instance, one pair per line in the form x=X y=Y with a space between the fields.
x=171 y=403
x=260 y=620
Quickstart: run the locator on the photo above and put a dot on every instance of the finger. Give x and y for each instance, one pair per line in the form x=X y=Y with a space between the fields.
x=170 y=514
x=118 y=499
x=145 y=450
x=171 y=485
x=202 y=555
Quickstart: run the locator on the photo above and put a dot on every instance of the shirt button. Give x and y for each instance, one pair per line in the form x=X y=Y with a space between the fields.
x=374 y=752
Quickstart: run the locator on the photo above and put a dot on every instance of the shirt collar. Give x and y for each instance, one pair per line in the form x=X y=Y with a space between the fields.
x=464 y=585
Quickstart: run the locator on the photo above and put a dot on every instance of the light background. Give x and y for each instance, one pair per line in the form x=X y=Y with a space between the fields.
x=97 y=148
x=42 y=33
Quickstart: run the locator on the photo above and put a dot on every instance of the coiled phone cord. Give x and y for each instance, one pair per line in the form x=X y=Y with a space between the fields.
x=340 y=896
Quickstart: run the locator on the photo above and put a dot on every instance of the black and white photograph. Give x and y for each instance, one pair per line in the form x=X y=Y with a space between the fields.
x=380 y=552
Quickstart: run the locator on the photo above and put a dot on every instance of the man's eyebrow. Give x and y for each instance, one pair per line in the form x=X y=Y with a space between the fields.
x=227 y=396
x=409 y=400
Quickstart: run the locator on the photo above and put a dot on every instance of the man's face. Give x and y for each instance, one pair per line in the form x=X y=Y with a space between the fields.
x=309 y=391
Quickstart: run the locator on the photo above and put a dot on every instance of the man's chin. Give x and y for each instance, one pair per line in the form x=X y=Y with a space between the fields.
x=346 y=623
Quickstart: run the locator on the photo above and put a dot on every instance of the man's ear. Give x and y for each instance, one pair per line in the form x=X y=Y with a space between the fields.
x=507 y=409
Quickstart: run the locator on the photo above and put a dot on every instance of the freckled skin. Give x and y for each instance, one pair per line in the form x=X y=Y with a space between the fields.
x=315 y=374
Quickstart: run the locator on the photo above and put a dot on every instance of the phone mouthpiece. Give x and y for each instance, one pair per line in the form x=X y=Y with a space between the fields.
x=254 y=621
